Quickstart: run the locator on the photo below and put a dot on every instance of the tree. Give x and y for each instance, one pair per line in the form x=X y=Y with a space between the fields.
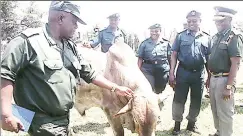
x=136 y=42
x=13 y=22
x=8 y=19
x=31 y=16
x=130 y=40
x=133 y=41
x=14 y=19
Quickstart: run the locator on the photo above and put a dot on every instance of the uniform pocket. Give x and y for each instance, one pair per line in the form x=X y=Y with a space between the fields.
x=53 y=71
x=223 y=46
x=107 y=40
x=185 y=47
x=185 y=43
x=53 y=64
x=223 y=49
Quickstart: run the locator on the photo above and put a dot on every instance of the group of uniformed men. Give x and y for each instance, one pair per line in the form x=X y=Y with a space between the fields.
x=37 y=63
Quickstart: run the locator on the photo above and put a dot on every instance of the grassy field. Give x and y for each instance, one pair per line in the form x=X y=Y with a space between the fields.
x=95 y=122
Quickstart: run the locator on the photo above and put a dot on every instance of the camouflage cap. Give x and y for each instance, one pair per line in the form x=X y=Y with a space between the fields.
x=155 y=26
x=223 y=12
x=69 y=7
x=116 y=15
x=194 y=13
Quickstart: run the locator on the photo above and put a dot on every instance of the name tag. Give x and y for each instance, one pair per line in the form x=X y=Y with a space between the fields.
x=223 y=42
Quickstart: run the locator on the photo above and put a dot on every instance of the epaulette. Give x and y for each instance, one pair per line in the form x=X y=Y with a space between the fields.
x=165 y=40
x=182 y=31
x=103 y=29
x=145 y=40
x=206 y=33
x=31 y=32
x=233 y=33
x=238 y=33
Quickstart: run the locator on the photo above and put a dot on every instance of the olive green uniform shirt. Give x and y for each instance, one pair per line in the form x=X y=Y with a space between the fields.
x=44 y=74
x=224 y=45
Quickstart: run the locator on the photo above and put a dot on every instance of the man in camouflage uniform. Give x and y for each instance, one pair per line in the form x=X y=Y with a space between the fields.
x=191 y=49
x=223 y=64
x=40 y=68
x=108 y=36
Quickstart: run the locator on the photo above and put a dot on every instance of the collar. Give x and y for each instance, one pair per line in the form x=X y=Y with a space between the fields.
x=151 y=41
x=197 y=33
x=109 y=29
x=188 y=32
x=48 y=34
x=224 y=32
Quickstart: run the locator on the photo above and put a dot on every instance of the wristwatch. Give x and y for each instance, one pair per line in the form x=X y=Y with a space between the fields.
x=113 y=89
x=229 y=87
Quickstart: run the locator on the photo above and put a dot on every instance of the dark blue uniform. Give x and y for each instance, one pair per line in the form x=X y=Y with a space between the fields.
x=155 y=66
x=192 y=52
x=107 y=38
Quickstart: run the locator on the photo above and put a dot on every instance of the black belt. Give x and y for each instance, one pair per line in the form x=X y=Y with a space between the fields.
x=41 y=114
x=219 y=74
x=154 y=61
x=191 y=69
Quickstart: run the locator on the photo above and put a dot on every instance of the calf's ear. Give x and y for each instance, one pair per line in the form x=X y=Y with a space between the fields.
x=125 y=109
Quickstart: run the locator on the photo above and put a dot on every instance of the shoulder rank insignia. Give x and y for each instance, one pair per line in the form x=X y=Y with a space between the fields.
x=230 y=37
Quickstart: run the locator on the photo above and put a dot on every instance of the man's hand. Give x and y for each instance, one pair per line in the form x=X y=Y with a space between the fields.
x=11 y=123
x=227 y=94
x=172 y=81
x=86 y=44
x=101 y=81
x=207 y=84
x=124 y=91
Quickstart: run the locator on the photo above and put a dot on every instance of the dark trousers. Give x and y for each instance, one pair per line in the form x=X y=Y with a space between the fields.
x=157 y=76
x=184 y=80
x=44 y=125
x=161 y=77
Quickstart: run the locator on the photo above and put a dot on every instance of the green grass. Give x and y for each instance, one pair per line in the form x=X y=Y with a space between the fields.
x=239 y=90
x=93 y=127
x=238 y=109
x=164 y=132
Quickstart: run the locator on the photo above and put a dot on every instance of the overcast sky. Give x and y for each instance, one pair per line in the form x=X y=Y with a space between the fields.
x=137 y=16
